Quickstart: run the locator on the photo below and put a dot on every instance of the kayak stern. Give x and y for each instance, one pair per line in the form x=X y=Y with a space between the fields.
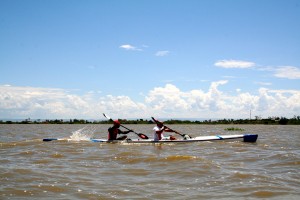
x=250 y=137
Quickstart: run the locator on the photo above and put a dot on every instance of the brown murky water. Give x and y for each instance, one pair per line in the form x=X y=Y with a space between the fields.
x=32 y=169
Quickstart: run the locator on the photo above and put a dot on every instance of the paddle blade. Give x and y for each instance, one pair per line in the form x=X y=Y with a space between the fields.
x=155 y=120
x=49 y=139
x=141 y=135
x=105 y=115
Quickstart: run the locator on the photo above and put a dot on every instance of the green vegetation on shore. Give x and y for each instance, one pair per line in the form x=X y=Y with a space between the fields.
x=272 y=121
x=233 y=129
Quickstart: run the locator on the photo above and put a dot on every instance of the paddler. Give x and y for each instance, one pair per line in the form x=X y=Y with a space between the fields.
x=158 y=132
x=114 y=131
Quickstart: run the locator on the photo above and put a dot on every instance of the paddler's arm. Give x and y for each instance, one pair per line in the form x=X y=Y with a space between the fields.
x=168 y=130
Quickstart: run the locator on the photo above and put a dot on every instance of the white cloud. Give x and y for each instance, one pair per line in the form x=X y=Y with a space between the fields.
x=24 y=102
x=166 y=99
x=123 y=105
x=130 y=47
x=162 y=53
x=288 y=72
x=162 y=102
x=263 y=83
x=18 y=102
x=170 y=101
x=234 y=64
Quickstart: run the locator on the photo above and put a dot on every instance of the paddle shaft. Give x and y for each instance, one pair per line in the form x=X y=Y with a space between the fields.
x=128 y=129
x=174 y=131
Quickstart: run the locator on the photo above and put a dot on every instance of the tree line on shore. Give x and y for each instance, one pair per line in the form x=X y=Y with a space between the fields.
x=270 y=120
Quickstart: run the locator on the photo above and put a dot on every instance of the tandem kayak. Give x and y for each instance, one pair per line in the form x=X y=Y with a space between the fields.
x=244 y=138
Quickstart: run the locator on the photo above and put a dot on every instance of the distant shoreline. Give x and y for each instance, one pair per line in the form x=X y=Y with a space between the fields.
x=268 y=121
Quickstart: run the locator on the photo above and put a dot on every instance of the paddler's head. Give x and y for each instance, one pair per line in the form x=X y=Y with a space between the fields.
x=159 y=124
x=117 y=123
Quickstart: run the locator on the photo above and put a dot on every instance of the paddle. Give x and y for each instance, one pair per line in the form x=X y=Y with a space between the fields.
x=182 y=135
x=141 y=135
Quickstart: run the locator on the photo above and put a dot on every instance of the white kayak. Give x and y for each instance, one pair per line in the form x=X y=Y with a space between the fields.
x=244 y=138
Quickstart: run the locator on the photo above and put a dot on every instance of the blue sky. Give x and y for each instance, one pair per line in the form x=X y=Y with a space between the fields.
x=137 y=58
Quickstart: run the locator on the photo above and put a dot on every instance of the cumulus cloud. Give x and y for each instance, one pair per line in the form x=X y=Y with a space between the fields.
x=29 y=101
x=162 y=53
x=168 y=101
x=23 y=102
x=234 y=64
x=121 y=104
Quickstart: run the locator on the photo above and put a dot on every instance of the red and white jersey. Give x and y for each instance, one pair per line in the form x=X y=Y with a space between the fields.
x=158 y=133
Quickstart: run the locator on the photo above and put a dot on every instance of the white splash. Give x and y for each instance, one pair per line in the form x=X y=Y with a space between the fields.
x=83 y=134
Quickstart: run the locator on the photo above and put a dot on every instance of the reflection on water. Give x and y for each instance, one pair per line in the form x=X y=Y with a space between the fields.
x=34 y=169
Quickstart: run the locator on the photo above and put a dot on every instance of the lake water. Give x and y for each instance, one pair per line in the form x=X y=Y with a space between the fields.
x=32 y=169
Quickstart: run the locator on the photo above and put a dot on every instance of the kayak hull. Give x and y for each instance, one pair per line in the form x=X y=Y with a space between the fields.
x=245 y=138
